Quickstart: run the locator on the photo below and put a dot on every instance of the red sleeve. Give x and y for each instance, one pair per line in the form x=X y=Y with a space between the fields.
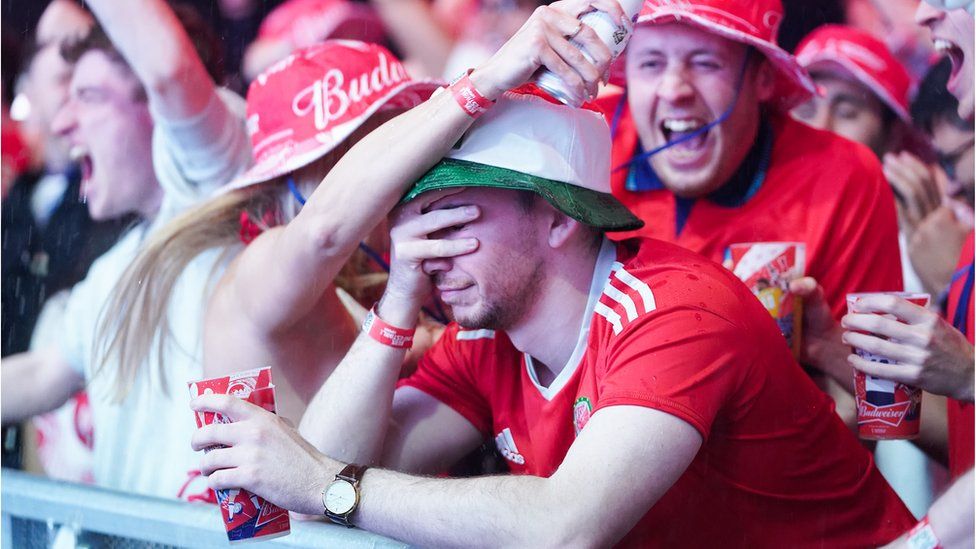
x=861 y=240
x=684 y=361
x=448 y=372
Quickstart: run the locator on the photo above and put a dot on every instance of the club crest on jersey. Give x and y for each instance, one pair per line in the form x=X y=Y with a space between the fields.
x=507 y=448
x=581 y=413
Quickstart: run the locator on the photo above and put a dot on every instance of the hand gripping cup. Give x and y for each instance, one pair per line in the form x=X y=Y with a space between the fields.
x=767 y=269
x=247 y=517
x=886 y=410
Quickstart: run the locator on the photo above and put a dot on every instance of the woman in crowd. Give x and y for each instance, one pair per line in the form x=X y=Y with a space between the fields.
x=304 y=113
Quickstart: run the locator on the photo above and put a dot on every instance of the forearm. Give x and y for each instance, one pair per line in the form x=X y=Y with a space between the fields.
x=951 y=516
x=408 y=146
x=35 y=383
x=152 y=40
x=511 y=511
x=348 y=418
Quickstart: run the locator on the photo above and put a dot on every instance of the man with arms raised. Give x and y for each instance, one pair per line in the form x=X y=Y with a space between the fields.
x=639 y=392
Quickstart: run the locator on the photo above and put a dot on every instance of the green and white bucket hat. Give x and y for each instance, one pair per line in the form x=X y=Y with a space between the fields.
x=528 y=142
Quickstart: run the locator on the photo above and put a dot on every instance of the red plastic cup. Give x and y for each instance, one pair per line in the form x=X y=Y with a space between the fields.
x=886 y=410
x=767 y=269
x=246 y=516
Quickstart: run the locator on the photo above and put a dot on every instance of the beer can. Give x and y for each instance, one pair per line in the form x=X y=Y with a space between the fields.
x=246 y=516
x=767 y=269
x=613 y=33
x=886 y=410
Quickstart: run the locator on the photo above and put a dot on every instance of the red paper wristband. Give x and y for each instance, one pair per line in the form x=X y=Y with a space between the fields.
x=922 y=536
x=468 y=97
x=387 y=334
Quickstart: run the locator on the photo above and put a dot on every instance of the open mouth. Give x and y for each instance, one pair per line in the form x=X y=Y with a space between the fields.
x=955 y=55
x=81 y=156
x=686 y=135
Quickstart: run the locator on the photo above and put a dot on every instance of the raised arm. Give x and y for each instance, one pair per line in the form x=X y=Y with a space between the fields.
x=369 y=179
x=349 y=416
x=152 y=40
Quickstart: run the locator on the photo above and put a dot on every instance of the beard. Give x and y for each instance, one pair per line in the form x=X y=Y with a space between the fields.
x=509 y=291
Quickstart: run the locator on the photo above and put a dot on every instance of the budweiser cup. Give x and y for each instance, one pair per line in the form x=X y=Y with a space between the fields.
x=767 y=269
x=885 y=409
x=246 y=516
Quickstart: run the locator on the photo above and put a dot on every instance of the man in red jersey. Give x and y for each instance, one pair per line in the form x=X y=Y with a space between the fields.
x=705 y=153
x=639 y=392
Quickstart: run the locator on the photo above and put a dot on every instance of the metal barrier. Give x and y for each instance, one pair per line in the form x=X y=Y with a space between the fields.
x=39 y=512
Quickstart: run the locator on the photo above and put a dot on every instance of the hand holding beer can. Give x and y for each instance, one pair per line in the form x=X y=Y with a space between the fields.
x=886 y=409
x=246 y=516
x=767 y=268
x=615 y=34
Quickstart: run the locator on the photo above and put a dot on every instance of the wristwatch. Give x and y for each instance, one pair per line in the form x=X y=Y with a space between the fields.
x=341 y=497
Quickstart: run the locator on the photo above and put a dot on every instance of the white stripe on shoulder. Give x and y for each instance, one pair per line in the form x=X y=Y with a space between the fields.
x=612 y=317
x=635 y=284
x=463 y=335
x=623 y=299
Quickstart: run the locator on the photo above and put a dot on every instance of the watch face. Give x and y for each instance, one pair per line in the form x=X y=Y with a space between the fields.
x=340 y=497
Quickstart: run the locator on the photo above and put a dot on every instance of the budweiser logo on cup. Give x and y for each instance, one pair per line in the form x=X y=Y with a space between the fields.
x=767 y=269
x=886 y=409
x=246 y=515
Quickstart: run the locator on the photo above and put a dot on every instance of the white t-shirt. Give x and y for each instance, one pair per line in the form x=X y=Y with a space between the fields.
x=142 y=445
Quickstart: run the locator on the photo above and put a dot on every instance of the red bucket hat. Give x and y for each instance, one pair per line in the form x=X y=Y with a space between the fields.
x=863 y=57
x=754 y=23
x=303 y=106
x=306 y=22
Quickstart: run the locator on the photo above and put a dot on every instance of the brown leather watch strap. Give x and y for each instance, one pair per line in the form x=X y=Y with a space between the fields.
x=352 y=473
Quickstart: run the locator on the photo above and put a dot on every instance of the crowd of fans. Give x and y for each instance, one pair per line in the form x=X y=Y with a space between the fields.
x=515 y=318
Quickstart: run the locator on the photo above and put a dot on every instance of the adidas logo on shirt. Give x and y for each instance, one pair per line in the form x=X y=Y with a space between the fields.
x=506 y=445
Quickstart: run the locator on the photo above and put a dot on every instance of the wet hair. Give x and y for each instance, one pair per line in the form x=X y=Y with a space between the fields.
x=933 y=103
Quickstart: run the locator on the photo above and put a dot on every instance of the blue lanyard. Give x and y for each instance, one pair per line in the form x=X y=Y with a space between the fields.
x=960 y=317
x=656 y=182
x=440 y=316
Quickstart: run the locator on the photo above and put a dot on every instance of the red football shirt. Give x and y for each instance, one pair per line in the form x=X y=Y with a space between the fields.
x=819 y=189
x=672 y=331
x=960 y=414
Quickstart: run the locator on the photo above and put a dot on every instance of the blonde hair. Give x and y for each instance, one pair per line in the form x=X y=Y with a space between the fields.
x=137 y=315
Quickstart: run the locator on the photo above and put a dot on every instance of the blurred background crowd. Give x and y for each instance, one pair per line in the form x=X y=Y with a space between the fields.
x=881 y=81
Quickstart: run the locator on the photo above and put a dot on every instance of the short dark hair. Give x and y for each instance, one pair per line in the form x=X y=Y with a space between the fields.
x=96 y=40
x=527 y=201
x=933 y=103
